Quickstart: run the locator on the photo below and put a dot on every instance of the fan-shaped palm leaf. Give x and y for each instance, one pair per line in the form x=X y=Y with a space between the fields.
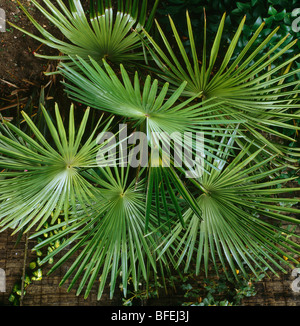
x=246 y=86
x=232 y=80
x=43 y=178
x=106 y=34
x=144 y=103
x=111 y=238
x=241 y=216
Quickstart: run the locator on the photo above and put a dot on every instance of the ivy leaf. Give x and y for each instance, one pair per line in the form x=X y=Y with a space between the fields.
x=272 y=11
x=257 y=23
x=236 y=11
x=269 y=20
x=280 y=15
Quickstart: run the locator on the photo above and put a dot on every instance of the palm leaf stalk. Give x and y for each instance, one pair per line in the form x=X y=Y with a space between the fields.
x=42 y=179
x=107 y=33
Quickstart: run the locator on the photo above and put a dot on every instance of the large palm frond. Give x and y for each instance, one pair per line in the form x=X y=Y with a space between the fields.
x=249 y=87
x=241 y=219
x=110 y=239
x=144 y=102
x=108 y=33
x=232 y=80
x=43 y=178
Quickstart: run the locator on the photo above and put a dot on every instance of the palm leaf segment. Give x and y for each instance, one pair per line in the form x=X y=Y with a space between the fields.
x=42 y=179
x=240 y=207
x=111 y=238
x=246 y=85
x=106 y=34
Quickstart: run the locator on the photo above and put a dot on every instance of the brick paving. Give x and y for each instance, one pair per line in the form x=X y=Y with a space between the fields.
x=270 y=292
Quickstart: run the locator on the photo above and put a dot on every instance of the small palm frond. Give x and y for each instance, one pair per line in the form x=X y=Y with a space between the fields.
x=111 y=238
x=242 y=222
x=43 y=179
x=108 y=33
x=248 y=87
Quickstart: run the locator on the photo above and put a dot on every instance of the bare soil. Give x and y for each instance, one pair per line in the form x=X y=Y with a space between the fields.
x=19 y=68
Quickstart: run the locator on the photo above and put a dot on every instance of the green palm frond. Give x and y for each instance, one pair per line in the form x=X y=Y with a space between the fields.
x=111 y=237
x=107 y=33
x=241 y=220
x=248 y=87
x=144 y=102
x=232 y=80
x=43 y=179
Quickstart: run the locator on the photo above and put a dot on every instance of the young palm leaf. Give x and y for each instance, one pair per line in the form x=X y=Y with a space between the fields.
x=241 y=220
x=111 y=238
x=108 y=33
x=42 y=178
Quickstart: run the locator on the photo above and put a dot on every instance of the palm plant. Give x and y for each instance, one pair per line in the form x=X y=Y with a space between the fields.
x=130 y=222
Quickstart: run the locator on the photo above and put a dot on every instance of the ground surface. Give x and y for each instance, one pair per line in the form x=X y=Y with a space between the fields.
x=19 y=68
x=271 y=291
